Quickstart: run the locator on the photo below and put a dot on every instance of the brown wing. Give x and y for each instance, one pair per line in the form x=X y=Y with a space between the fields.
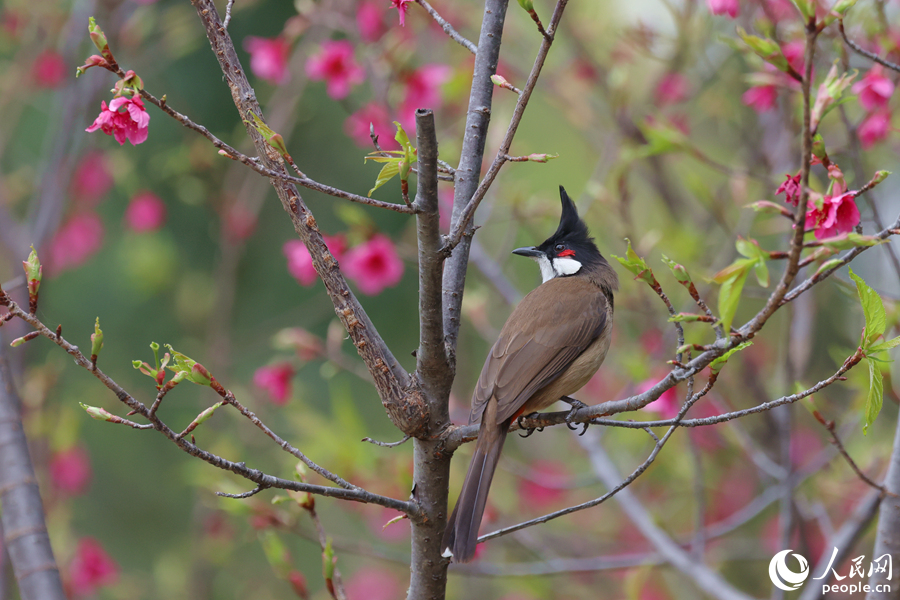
x=539 y=341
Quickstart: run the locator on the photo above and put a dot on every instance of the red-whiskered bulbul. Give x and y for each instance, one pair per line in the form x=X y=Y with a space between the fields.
x=551 y=345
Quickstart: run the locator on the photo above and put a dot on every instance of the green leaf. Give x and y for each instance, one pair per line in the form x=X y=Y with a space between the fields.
x=851 y=240
x=388 y=172
x=636 y=265
x=730 y=295
x=717 y=364
x=873 y=310
x=762 y=273
x=684 y=318
x=885 y=345
x=767 y=49
x=275 y=550
x=875 y=396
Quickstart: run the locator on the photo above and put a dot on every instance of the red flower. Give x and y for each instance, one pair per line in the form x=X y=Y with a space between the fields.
x=91 y=179
x=837 y=214
x=275 y=380
x=422 y=90
x=874 y=128
x=145 y=212
x=268 y=57
x=402 y=7
x=300 y=264
x=374 y=265
x=790 y=188
x=131 y=122
x=75 y=242
x=369 y=21
x=49 y=69
x=92 y=568
x=724 y=7
x=357 y=126
x=671 y=89
x=337 y=67
x=70 y=471
x=874 y=89
x=760 y=98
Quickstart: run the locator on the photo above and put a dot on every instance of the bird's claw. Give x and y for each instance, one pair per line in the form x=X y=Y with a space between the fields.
x=576 y=406
x=530 y=430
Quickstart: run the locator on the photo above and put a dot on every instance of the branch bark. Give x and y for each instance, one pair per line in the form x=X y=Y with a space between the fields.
x=400 y=396
x=22 y=518
x=471 y=156
x=887 y=538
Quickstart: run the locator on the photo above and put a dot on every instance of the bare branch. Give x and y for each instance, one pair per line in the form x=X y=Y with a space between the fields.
x=387 y=444
x=352 y=492
x=22 y=523
x=860 y=50
x=462 y=223
x=448 y=28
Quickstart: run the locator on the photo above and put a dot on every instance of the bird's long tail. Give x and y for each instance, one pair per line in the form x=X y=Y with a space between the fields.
x=461 y=535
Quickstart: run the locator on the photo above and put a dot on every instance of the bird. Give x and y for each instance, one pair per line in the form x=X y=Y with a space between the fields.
x=550 y=346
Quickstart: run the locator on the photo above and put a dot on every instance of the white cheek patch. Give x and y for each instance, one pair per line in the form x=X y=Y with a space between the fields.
x=547 y=272
x=565 y=266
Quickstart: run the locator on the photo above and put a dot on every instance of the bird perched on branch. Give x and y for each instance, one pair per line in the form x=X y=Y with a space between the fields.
x=551 y=345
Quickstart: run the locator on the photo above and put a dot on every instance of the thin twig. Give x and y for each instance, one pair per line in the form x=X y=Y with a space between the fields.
x=252 y=492
x=448 y=28
x=354 y=493
x=386 y=444
x=228 y=8
x=860 y=50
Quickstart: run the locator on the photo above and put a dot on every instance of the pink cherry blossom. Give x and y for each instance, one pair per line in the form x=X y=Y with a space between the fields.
x=374 y=265
x=422 y=89
x=357 y=127
x=70 y=471
x=336 y=65
x=837 y=214
x=49 y=69
x=779 y=10
x=74 y=243
x=724 y=7
x=369 y=21
x=874 y=89
x=760 y=98
x=790 y=188
x=131 y=122
x=300 y=264
x=91 y=179
x=671 y=89
x=275 y=380
x=268 y=57
x=545 y=485
x=371 y=583
x=145 y=212
x=91 y=568
x=793 y=52
x=874 y=128
x=402 y=6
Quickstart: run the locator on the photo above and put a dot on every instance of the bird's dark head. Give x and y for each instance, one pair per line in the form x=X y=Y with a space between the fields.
x=568 y=251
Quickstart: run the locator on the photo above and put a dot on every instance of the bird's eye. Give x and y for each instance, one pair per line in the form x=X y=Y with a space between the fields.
x=560 y=247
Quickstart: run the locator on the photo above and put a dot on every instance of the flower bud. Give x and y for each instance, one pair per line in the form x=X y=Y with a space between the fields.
x=96 y=339
x=33 y=272
x=97 y=413
x=528 y=5
x=97 y=36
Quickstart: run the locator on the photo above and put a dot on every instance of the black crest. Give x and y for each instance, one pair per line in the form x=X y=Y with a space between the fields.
x=571 y=230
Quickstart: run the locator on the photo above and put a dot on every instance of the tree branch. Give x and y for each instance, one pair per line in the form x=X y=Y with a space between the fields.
x=478 y=117
x=448 y=28
x=22 y=518
x=402 y=400
x=347 y=492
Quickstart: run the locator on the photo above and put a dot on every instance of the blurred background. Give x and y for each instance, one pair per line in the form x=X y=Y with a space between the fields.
x=665 y=127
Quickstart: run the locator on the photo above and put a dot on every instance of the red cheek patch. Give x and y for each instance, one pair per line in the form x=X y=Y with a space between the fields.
x=566 y=252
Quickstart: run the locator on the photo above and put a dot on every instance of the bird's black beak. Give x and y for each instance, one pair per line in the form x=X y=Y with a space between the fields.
x=529 y=251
